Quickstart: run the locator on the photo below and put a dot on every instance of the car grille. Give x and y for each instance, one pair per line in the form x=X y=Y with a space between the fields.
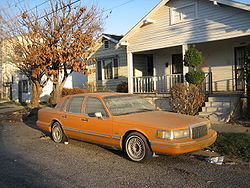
x=199 y=131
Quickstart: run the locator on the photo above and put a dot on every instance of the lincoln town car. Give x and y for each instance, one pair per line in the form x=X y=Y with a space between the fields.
x=126 y=122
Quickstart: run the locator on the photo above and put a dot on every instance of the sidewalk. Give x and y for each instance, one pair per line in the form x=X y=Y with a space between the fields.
x=6 y=107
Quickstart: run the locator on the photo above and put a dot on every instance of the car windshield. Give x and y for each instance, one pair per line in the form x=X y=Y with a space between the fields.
x=127 y=104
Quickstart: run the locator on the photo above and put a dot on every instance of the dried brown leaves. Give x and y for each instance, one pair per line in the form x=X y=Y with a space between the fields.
x=186 y=98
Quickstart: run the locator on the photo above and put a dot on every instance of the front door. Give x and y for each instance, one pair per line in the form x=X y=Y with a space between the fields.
x=239 y=67
x=177 y=68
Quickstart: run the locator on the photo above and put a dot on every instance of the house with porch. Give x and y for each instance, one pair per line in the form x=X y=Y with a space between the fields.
x=156 y=45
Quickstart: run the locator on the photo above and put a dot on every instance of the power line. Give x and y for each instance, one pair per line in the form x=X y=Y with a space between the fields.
x=112 y=8
x=60 y=9
x=35 y=7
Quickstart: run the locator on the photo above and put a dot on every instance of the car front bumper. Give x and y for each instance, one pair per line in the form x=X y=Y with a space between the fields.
x=183 y=146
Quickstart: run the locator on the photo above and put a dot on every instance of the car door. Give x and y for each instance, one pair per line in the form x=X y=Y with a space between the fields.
x=72 y=120
x=97 y=130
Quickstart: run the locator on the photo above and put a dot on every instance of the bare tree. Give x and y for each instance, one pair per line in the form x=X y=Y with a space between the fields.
x=52 y=46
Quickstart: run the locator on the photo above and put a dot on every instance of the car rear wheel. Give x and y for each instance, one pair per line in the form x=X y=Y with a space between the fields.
x=137 y=148
x=57 y=133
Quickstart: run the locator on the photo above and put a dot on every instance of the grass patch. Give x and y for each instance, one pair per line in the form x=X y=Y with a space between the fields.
x=233 y=145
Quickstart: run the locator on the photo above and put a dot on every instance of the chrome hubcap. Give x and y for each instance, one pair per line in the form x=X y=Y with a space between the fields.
x=57 y=134
x=135 y=148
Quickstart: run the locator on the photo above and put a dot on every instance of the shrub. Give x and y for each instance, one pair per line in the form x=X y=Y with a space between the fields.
x=233 y=144
x=72 y=91
x=195 y=77
x=193 y=57
x=186 y=98
x=122 y=87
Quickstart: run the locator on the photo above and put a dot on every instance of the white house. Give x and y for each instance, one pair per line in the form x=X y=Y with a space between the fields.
x=16 y=86
x=22 y=89
x=156 y=45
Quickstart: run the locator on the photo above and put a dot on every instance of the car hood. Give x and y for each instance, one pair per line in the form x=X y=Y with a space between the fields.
x=160 y=119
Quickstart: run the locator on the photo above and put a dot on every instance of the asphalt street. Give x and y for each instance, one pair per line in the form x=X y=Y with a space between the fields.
x=27 y=159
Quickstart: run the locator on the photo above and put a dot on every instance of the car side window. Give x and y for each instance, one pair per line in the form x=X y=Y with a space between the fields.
x=75 y=105
x=94 y=105
x=63 y=104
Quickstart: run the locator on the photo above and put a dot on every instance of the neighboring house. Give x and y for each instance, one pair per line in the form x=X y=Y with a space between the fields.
x=16 y=86
x=111 y=64
x=22 y=88
x=156 y=45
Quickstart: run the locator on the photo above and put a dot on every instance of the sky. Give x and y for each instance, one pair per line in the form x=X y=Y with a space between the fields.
x=121 y=15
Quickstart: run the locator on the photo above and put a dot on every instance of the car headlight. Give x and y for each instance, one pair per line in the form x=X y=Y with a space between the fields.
x=170 y=135
x=164 y=134
x=183 y=133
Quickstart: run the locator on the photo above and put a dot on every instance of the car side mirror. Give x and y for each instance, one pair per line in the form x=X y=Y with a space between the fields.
x=99 y=115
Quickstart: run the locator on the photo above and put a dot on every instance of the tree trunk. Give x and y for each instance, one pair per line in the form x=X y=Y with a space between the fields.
x=36 y=92
x=57 y=93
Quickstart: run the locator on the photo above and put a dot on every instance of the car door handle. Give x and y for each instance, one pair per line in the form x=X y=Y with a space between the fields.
x=86 y=120
x=64 y=116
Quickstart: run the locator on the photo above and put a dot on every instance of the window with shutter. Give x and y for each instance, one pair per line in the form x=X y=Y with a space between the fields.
x=106 y=44
x=108 y=69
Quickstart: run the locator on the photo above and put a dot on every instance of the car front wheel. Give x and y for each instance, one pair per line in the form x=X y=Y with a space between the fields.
x=137 y=148
x=57 y=133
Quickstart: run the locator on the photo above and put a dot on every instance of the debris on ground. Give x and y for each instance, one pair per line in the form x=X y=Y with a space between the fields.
x=44 y=137
x=215 y=160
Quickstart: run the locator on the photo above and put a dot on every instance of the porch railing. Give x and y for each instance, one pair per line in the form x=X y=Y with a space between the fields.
x=156 y=84
x=207 y=84
x=163 y=84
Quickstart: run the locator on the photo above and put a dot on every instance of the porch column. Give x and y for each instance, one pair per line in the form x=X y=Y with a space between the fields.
x=130 y=72
x=185 y=69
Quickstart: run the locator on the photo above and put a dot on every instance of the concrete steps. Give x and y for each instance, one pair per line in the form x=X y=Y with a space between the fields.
x=219 y=109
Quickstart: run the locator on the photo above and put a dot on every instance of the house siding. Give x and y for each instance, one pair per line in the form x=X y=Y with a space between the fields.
x=213 y=23
x=101 y=53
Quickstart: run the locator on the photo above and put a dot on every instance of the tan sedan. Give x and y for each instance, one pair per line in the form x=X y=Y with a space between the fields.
x=125 y=122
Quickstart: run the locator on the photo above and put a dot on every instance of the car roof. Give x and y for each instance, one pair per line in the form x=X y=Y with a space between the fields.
x=101 y=95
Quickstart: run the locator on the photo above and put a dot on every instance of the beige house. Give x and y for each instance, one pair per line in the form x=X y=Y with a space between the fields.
x=157 y=44
x=111 y=64
x=151 y=54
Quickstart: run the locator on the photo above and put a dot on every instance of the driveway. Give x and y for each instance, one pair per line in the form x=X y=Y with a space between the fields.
x=27 y=159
